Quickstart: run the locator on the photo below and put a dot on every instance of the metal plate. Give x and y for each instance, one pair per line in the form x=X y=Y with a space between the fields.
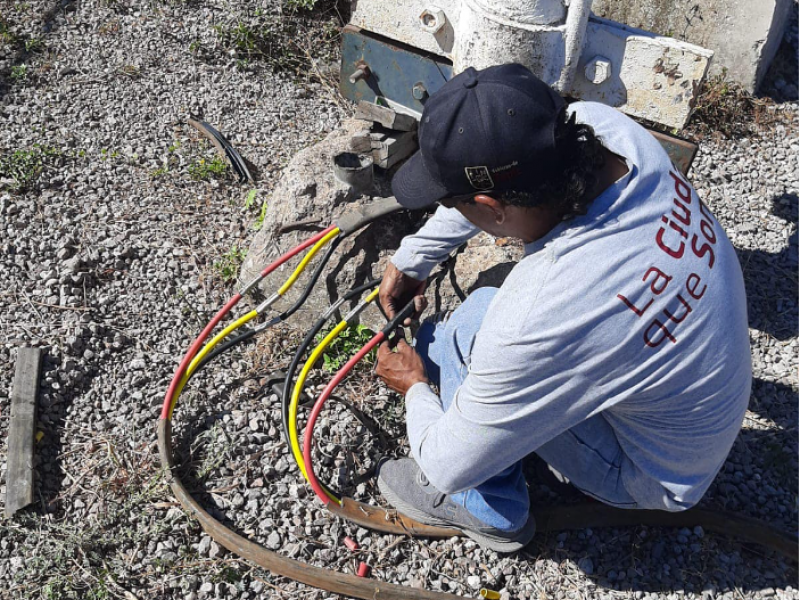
x=681 y=152
x=394 y=70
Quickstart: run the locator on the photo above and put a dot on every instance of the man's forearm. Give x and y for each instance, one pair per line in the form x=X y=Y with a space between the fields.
x=444 y=232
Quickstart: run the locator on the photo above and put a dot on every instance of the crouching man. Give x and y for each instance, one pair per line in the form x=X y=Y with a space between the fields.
x=617 y=349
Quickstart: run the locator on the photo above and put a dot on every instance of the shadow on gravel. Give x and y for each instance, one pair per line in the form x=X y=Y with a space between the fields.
x=654 y=560
x=781 y=81
x=775 y=402
x=55 y=399
x=49 y=22
x=771 y=279
x=667 y=560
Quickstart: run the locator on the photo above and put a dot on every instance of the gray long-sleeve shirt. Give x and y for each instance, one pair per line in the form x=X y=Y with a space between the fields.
x=635 y=310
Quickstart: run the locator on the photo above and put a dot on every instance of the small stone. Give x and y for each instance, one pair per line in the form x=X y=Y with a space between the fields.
x=698 y=531
x=586 y=565
x=274 y=541
x=204 y=545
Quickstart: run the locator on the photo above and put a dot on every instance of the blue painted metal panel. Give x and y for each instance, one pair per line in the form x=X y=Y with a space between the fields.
x=394 y=70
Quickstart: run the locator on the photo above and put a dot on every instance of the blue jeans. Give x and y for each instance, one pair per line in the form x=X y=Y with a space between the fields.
x=588 y=455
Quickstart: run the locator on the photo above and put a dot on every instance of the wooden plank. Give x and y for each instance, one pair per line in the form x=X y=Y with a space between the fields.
x=19 y=476
x=394 y=149
x=383 y=115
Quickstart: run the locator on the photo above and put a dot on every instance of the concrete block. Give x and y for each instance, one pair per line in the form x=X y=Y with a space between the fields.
x=744 y=35
x=308 y=192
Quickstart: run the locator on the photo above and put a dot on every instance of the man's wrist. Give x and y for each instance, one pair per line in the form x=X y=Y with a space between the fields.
x=420 y=385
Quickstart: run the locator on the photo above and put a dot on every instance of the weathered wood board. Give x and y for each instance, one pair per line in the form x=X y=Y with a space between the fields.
x=383 y=115
x=19 y=477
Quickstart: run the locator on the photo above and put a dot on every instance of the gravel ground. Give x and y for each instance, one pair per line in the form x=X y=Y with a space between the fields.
x=121 y=239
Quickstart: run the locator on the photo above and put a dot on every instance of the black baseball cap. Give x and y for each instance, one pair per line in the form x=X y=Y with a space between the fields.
x=483 y=131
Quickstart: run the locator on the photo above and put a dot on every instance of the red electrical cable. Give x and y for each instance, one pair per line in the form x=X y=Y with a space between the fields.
x=225 y=310
x=297 y=250
x=312 y=418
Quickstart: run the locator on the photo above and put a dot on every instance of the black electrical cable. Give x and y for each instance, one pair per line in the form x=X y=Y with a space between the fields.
x=314 y=278
x=283 y=316
x=301 y=350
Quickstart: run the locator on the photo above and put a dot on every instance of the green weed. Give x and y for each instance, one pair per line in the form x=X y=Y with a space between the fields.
x=204 y=170
x=342 y=349
x=250 y=199
x=216 y=446
x=160 y=172
x=6 y=35
x=273 y=43
x=34 y=45
x=227 y=267
x=259 y=222
x=22 y=167
x=19 y=73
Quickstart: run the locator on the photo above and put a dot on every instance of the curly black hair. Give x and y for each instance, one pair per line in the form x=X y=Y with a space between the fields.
x=580 y=154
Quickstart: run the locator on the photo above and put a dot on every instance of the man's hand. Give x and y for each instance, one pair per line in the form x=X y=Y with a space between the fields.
x=400 y=369
x=397 y=290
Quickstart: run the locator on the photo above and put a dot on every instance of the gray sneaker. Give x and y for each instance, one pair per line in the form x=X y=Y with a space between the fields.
x=405 y=487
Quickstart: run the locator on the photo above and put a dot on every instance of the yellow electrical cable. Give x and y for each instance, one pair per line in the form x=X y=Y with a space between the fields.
x=298 y=389
x=206 y=349
x=306 y=259
x=248 y=317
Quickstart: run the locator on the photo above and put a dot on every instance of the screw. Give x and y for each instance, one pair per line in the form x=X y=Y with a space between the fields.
x=418 y=91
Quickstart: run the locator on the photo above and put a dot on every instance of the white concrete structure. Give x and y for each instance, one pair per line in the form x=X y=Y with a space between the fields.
x=645 y=75
x=744 y=35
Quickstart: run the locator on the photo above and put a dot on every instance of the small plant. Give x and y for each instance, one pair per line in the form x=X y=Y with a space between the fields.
x=105 y=153
x=342 y=349
x=228 y=266
x=6 y=34
x=160 y=172
x=216 y=448
x=240 y=37
x=19 y=73
x=259 y=222
x=34 y=45
x=250 y=199
x=131 y=71
x=22 y=167
x=204 y=170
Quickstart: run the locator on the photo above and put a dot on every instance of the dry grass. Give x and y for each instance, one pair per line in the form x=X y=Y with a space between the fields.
x=724 y=109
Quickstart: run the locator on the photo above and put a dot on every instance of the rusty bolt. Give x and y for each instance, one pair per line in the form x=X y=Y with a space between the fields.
x=598 y=70
x=362 y=72
x=418 y=91
x=432 y=20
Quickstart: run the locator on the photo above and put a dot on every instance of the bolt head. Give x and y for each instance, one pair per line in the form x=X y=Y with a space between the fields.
x=418 y=91
x=432 y=20
x=598 y=70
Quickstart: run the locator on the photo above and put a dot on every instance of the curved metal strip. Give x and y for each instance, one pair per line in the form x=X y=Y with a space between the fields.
x=339 y=583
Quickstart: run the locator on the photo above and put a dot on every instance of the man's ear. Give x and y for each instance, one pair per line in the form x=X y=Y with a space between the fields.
x=497 y=208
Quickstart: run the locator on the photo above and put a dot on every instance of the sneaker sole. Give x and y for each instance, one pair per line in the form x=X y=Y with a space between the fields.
x=498 y=544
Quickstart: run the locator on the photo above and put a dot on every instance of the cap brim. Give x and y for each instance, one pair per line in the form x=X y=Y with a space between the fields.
x=414 y=187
